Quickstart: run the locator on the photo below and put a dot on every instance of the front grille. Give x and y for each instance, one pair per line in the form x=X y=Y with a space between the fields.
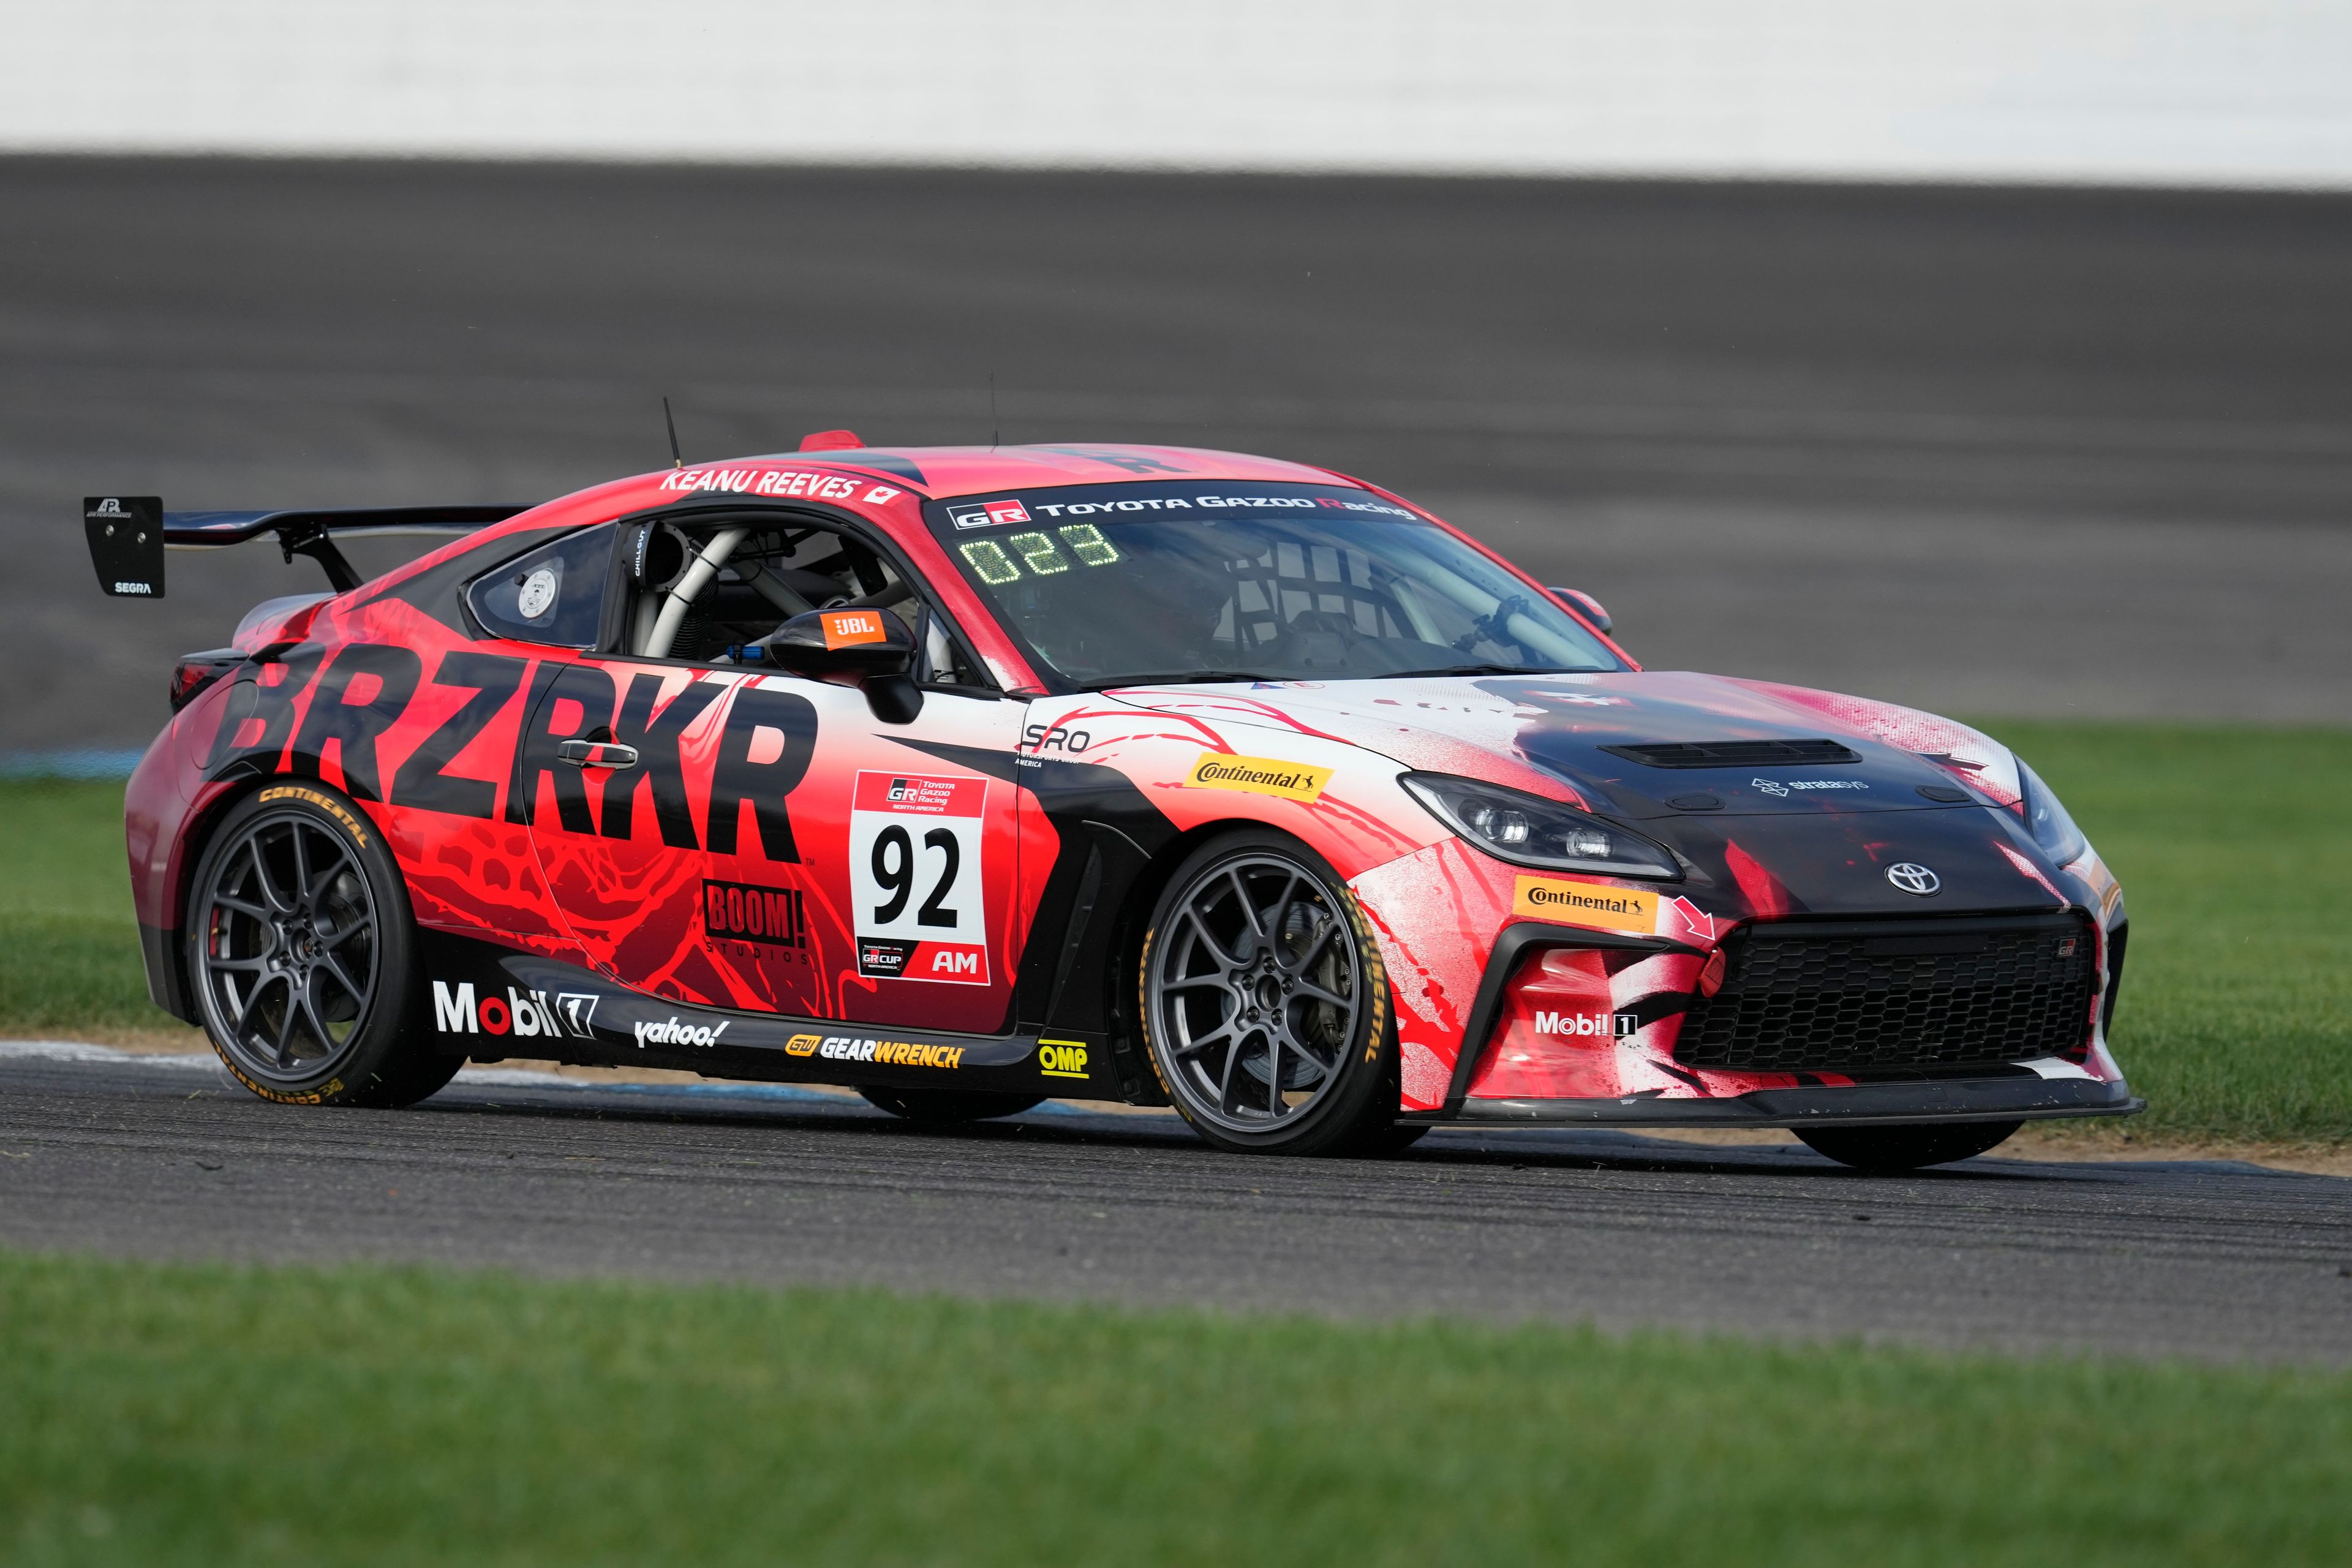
x=1734 y=753
x=1867 y=996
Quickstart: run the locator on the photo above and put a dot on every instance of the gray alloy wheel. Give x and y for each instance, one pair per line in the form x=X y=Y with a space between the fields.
x=1264 y=1003
x=299 y=954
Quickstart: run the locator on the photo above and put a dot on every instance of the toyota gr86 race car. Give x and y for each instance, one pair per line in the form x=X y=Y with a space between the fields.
x=968 y=777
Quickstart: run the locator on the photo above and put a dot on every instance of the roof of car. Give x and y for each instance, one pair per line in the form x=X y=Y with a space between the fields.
x=940 y=471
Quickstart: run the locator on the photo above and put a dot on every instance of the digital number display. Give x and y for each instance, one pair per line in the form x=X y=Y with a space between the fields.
x=994 y=565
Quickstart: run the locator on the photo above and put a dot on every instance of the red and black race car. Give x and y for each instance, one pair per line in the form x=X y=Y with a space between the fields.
x=969 y=778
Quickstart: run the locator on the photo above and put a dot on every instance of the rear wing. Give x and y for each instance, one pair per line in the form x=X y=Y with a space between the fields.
x=128 y=535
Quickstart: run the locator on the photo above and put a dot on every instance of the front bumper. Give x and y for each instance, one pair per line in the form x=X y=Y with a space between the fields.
x=2021 y=1099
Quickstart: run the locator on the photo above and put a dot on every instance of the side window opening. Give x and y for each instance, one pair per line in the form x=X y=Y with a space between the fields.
x=554 y=594
x=712 y=592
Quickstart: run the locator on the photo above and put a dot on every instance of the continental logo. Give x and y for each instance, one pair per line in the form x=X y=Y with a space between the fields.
x=325 y=803
x=1061 y=1058
x=800 y=1046
x=1258 y=775
x=1586 y=904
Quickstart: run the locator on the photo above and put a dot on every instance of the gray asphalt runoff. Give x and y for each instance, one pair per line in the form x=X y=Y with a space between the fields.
x=2218 y=1261
x=2066 y=453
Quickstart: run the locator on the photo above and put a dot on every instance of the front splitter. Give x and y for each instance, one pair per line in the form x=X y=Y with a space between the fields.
x=1926 y=1100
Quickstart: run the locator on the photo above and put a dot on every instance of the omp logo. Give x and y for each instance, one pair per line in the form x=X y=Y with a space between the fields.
x=1586 y=904
x=526 y=1013
x=888 y=1053
x=1061 y=1058
x=673 y=1032
x=849 y=628
x=1608 y=1023
x=1258 y=775
x=800 y=1046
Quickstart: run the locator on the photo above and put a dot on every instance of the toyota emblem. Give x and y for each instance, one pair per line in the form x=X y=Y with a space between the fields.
x=1914 y=879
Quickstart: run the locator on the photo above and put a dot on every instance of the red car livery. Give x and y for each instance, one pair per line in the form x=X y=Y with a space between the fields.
x=968 y=777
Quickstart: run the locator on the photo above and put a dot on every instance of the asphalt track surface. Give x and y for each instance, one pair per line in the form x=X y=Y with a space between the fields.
x=1988 y=451
x=155 y=1159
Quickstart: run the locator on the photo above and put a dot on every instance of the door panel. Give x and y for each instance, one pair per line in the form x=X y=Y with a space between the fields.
x=734 y=862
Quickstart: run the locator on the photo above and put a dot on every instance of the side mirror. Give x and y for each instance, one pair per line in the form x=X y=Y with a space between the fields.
x=1583 y=604
x=863 y=644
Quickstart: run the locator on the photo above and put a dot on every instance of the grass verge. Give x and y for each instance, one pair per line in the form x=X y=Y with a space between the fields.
x=162 y=1413
x=2235 y=854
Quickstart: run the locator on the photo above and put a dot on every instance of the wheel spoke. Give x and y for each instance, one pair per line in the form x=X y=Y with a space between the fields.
x=317 y=889
x=250 y=911
x=334 y=966
x=1223 y=1031
x=1249 y=910
x=1324 y=931
x=1273 y=1072
x=301 y=868
x=1193 y=983
x=284 y=1044
x=252 y=1004
x=277 y=901
x=1281 y=916
x=1225 y=961
x=1310 y=992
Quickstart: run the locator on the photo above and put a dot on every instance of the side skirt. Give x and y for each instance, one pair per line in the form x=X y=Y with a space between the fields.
x=486 y=1001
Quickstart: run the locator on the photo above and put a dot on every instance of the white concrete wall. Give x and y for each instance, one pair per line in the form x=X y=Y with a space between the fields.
x=2254 y=92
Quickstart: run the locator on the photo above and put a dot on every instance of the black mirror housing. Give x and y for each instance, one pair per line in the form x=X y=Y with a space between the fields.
x=1584 y=604
x=862 y=643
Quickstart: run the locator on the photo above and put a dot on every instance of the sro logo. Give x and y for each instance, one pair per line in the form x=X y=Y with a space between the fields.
x=1038 y=738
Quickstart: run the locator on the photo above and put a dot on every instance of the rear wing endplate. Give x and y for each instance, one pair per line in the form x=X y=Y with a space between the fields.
x=128 y=535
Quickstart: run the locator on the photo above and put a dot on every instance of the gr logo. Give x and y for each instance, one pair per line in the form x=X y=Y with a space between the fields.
x=1061 y=1058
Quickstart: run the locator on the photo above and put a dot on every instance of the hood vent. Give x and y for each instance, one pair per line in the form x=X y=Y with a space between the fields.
x=1734 y=753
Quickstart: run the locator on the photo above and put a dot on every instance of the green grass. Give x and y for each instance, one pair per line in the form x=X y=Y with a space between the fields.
x=163 y=1415
x=2233 y=844
x=68 y=944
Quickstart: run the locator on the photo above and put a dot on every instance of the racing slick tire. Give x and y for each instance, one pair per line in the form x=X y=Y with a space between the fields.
x=1907 y=1148
x=947 y=1105
x=1264 y=1003
x=302 y=952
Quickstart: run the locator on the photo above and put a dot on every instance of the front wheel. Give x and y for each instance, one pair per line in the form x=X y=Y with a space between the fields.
x=302 y=954
x=1907 y=1148
x=1266 y=1005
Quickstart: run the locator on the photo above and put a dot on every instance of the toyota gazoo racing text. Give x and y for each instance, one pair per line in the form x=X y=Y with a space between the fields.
x=968 y=777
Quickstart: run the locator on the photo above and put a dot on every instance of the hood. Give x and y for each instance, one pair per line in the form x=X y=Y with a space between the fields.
x=1638 y=744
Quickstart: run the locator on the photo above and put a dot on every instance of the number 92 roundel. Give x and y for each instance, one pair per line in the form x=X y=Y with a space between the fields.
x=914 y=869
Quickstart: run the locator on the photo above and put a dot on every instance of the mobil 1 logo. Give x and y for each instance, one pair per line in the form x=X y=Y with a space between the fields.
x=914 y=873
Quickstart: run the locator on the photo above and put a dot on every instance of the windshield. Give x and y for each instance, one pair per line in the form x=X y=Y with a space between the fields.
x=1133 y=585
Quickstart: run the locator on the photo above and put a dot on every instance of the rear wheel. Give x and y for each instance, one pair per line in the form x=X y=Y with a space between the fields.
x=1901 y=1147
x=938 y=1105
x=301 y=951
x=1264 y=1003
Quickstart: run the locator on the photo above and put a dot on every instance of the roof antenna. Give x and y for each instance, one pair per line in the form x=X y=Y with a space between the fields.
x=995 y=425
x=671 y=420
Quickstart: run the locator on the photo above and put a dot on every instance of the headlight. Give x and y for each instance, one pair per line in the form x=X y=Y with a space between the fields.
x=2047 y=820
x=1527 y=830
